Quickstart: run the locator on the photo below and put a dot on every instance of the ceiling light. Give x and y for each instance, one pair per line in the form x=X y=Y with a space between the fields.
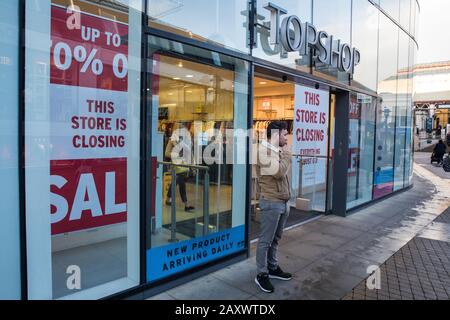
x=176 y=78
x=189 y=76
x=180 y=64
x=263 y=82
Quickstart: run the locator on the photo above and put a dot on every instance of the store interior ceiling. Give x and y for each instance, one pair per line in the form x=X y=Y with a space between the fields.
x=265 y=87
x=189 y=72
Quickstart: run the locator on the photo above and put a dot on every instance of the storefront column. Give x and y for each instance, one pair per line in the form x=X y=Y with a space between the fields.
x=341 y=154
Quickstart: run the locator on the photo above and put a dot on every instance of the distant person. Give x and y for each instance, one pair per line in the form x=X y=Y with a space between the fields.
x=182 y=173
x=439 y=130
x=274 y=173
x=439 y=150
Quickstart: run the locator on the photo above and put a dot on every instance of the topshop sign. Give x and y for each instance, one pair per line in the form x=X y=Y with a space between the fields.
x=296 y=36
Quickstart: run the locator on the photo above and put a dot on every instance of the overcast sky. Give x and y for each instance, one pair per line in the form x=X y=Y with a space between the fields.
x=434 y=24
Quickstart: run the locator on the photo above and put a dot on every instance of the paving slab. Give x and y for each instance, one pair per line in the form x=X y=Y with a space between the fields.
x=326 y=278
x=348 y=263
x=208 y=288
x=305 y=251
x=162 y=296
x=342 y=231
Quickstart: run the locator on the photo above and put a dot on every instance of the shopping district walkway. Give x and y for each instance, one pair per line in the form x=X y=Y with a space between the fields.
x=405 y=238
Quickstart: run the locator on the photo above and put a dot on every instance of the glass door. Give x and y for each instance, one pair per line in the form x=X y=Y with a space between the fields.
x=306 y=113
x=199 y=117
x=311 y=146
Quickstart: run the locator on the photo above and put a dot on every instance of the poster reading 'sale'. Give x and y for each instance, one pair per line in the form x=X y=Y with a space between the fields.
x=88 y=98
x=310 y=136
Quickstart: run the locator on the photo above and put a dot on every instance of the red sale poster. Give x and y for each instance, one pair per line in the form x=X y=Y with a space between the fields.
x=88 y=99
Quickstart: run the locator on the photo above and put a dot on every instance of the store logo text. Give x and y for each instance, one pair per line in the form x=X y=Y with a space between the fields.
x=295 y=36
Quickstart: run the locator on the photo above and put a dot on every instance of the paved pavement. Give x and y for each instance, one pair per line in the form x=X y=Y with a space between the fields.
x=423 y=159
x=420 y=270
x=424 y=144
x=330 y=257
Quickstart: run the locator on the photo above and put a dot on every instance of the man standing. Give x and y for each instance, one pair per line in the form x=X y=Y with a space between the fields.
x=274 y=172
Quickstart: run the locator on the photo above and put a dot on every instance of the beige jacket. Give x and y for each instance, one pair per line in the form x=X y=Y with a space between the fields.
x=274 y=169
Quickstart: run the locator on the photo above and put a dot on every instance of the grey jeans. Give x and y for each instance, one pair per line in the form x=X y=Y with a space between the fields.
x=273 y=218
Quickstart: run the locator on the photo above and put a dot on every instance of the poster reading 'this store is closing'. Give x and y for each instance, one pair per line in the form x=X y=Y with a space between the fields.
x=88 y=98
x=310 y=136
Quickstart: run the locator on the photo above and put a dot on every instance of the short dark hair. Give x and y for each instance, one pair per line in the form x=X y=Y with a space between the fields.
x=275 y=125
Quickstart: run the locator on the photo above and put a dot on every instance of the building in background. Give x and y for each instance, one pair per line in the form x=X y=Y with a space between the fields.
x=432 y=97
x=90 y=104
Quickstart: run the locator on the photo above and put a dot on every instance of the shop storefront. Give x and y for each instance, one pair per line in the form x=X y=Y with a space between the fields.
x=130 y=129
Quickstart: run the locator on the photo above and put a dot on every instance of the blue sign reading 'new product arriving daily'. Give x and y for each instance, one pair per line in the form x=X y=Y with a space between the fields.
x=167 y=260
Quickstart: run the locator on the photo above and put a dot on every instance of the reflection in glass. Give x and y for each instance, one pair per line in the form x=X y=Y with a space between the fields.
x=195 y=103
x=365 y=38
x=391 y=7
x=416 y=21
x=413 y=16
x=405 y=13
x=409 y=116
x=334 y=17
x=222 y=22
x=361 y=152
x=274 y=53
x=387 y=89
x=403 y=101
